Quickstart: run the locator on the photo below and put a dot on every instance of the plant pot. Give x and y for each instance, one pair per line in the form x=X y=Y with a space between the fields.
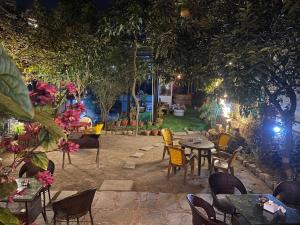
x=141 y=123
x=154 y=132
x=178 y=112
x=133 y=123
x=124 y=122
x=118 y=123
x=147 y=132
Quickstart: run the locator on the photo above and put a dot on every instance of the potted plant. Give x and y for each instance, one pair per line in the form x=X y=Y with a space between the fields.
x=124 y=122
x=178 y=110
x=149 y=123
x=154 y=131
x=147 y=132
x=141 y=123
x=132 y=116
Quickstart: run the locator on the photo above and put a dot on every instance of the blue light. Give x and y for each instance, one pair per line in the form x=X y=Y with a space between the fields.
x=276 y=129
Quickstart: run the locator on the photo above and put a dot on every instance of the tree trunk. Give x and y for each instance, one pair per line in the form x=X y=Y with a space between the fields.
x=128 y=102
x=104 y=116
x=136 y=100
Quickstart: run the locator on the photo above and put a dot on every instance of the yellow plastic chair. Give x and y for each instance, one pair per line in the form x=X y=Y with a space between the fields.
x=222 y=143
x=168 y=140
x=181 y=160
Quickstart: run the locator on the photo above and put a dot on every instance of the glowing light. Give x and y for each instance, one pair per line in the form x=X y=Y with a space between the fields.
x=179 y=76
x=32 y=22
x=230 y=63
x=276 y=129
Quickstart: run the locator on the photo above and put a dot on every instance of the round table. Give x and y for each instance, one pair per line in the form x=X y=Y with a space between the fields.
x=201 y=144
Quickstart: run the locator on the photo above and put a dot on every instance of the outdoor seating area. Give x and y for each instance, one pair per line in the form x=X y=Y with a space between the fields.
x=152 y=112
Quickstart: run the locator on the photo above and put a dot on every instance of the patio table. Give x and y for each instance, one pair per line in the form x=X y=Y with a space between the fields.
x=201 y=144
x=31 y=199
x=249 y=212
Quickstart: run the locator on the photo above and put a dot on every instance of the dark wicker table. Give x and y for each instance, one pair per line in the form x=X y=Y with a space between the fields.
x=201 y=144
x=31 y=199
x=248 y=211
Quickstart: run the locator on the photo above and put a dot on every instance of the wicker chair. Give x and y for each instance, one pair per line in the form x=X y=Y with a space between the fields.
x=200 y=218
x=168 y=140
x=224 y=183
x=31 y=170
x=225 y=165
x=289 y=193
x=178 y=160
x=74 y=207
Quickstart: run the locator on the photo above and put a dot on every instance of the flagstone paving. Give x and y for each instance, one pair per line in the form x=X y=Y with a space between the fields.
x=116 y=185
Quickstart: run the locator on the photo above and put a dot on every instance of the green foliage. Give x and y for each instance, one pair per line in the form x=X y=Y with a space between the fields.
x=210 y=111
x=40 y=160
x=18 y=128
x=7 y=189
x=14 y=96
x=7 y=218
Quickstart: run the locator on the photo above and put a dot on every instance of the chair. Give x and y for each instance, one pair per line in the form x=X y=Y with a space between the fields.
x=225 y=165
x=74 y=206
x=31 y=170
x=95 y=129
x=222 y=143
x=179 y=159
x=168 y=140
x=224 y=183
x=199 y=218
x=289 y=193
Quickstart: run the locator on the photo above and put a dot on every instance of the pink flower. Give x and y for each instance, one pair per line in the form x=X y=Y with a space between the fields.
x=32 y=128
x=77 y=106
x=43 y=94
x=68 y=146
x=71 y=88
x=45 y=178
x=14 y=148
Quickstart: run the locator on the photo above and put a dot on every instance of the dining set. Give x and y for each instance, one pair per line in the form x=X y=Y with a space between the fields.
x=229 y=194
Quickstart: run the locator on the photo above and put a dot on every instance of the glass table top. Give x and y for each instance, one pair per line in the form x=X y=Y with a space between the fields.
x=30 y=192
x=248 y=206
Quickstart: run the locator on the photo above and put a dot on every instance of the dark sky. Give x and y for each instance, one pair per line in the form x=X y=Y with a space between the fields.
x=51 y=4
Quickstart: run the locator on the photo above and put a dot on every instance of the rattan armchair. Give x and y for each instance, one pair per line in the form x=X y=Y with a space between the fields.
x=74 y=207
x=224 y=183
x=180 y=160
x=289 y=193
x=199 y=218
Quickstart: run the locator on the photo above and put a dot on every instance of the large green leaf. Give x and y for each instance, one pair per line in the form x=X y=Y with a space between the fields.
x=6 y=189
x=47 y=121
x=7 y=218
x=14 y=96
x=40 y=160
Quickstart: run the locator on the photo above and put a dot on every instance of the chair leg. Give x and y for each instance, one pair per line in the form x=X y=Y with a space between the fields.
x=63 y=161
x=69 y=157
x=192 y=167
x=224 y=217
x=54 y=219
x=77 y=220
x=169 y=170
x=49 y=195
x=44 y=201
x=231 y=170
x=185 y=172
x=164 y=152
x=97 y=157
x=91 y=216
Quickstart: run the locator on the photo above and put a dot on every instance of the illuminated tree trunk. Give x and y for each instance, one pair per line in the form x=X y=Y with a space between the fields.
x=136 y=100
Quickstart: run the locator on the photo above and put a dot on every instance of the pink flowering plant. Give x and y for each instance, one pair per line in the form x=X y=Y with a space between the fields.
x=46 y=124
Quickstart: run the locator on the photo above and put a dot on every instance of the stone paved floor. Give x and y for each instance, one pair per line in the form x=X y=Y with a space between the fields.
x=137 y=208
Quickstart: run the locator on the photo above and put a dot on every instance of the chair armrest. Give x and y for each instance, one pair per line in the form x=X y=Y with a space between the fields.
x=224 y=155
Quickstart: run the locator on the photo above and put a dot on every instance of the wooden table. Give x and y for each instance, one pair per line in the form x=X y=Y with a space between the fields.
x=78 y=125
x=248 y=212
x=201 y=144
x=31 y=199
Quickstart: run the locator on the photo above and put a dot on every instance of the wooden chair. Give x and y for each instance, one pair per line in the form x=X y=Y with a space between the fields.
x=168 y=140
x=31 y=170
x=224 y=183
x=289 y=193
x=74 y=207
x=199 y=217
x=225 y=165
x=179 y=160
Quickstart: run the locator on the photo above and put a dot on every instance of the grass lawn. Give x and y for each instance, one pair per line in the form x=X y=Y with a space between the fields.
x=190 y=120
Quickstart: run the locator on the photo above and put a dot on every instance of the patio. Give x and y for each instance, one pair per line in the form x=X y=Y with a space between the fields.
x=152 y=199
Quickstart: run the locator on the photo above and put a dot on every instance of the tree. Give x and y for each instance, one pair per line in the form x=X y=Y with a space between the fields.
x=259 y=61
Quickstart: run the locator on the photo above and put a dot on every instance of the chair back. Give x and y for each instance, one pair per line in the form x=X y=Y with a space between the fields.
x=31 y=170
x=199 y=218
x=225 y=183
x=288 y=192
x=223 y=141
x=76 y=205
x=86 y=120
x=98 y=128
x=234 y=155
x=177 y=156
x=167 y=136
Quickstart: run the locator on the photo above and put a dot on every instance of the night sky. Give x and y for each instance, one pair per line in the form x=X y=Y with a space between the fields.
x=51 y=4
